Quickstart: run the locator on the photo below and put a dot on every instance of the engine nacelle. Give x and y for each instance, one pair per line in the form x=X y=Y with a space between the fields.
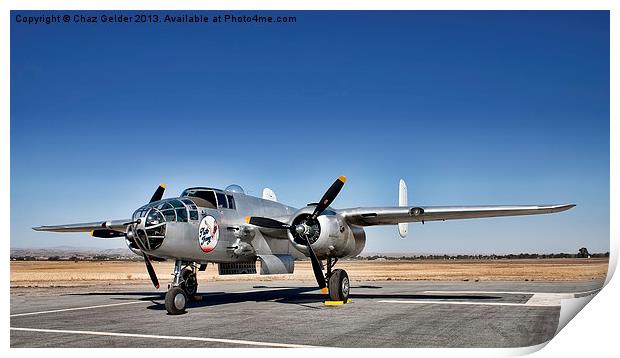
x=329 y=235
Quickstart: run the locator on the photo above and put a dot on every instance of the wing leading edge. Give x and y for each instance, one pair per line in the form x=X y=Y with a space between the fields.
x=396 y=215
x=115 y=225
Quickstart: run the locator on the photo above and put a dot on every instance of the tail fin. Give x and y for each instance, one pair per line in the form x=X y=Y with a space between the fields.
x=402 y=201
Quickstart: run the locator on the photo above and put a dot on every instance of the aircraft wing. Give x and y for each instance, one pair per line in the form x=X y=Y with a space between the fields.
x=114 y=225
x=396 y=215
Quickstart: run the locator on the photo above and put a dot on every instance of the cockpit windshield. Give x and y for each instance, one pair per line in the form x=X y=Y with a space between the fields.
x=210 y=198
x=202 y=197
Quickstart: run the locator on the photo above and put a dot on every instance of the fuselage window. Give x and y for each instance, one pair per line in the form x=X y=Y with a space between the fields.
x=193 y=209
x=221 y=200
x=181 y=215
x=231 y=202
x=177 y=204
x=169 y=215
x=164 y=206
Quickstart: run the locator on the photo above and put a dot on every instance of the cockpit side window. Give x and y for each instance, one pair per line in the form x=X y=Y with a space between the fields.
x=231 y=202
x=221 y=200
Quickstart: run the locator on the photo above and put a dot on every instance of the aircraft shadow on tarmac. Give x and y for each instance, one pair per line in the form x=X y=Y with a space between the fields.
x=287 y=295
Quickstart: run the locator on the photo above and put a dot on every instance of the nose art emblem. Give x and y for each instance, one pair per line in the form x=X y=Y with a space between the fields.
x=208 y=233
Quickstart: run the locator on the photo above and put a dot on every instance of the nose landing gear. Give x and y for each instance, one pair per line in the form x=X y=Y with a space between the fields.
x=183 y=287
x=189 y=282
x=176 y=299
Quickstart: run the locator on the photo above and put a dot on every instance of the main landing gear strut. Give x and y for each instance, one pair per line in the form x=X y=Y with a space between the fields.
x=337 y=282
x=183 y=287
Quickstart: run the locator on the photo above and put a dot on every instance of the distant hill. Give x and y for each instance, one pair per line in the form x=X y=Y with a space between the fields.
x=71 y=253
x=81 y=253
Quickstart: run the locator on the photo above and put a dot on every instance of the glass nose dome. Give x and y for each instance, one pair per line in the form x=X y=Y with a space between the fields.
x=152 y=234
x=155 y=227
x=155 y=217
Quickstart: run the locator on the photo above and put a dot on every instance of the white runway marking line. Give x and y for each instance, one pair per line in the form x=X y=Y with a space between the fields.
x=538 y=299
x=118 y=304
x=180 y=338
x=77 y=308
x=461 y=303
x=516 y=293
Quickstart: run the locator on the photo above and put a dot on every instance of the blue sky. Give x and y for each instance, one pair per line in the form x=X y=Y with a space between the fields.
x=468 y=107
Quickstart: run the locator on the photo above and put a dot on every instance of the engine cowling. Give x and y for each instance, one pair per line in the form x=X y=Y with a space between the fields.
x=329 y=235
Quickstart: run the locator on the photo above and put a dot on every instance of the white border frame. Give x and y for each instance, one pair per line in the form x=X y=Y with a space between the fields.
x=591 y=332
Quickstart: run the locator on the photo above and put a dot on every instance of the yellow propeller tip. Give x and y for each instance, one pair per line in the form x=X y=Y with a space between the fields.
x=92 y=232
x=247 y=219
x=342 y=178
x=163 y=185
x=324 y=290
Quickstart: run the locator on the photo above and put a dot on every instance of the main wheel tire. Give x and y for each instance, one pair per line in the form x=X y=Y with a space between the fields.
x=190 y=283
x=339 y=286
x=176 y=299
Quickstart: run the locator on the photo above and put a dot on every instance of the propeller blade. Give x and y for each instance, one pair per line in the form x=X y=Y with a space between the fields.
x=317 y=268
x=147 y=262
x=106 y=233
x=266 y=222
x=329 y=196
x=159 y=193
x=151 y=270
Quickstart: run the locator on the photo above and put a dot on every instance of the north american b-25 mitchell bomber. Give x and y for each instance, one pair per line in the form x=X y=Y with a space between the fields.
x=234 y=230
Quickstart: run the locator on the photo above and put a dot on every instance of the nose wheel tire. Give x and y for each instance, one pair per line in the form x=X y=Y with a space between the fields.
x=176 y=299
x=190 y=283
x=339 y=286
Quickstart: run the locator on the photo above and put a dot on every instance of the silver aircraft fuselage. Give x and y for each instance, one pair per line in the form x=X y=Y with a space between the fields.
x=184 y=234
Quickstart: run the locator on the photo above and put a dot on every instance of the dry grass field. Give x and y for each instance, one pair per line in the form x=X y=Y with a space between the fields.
x=69 y=273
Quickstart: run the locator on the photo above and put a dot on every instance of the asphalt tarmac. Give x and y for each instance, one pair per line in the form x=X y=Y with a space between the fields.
x=293 y=314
